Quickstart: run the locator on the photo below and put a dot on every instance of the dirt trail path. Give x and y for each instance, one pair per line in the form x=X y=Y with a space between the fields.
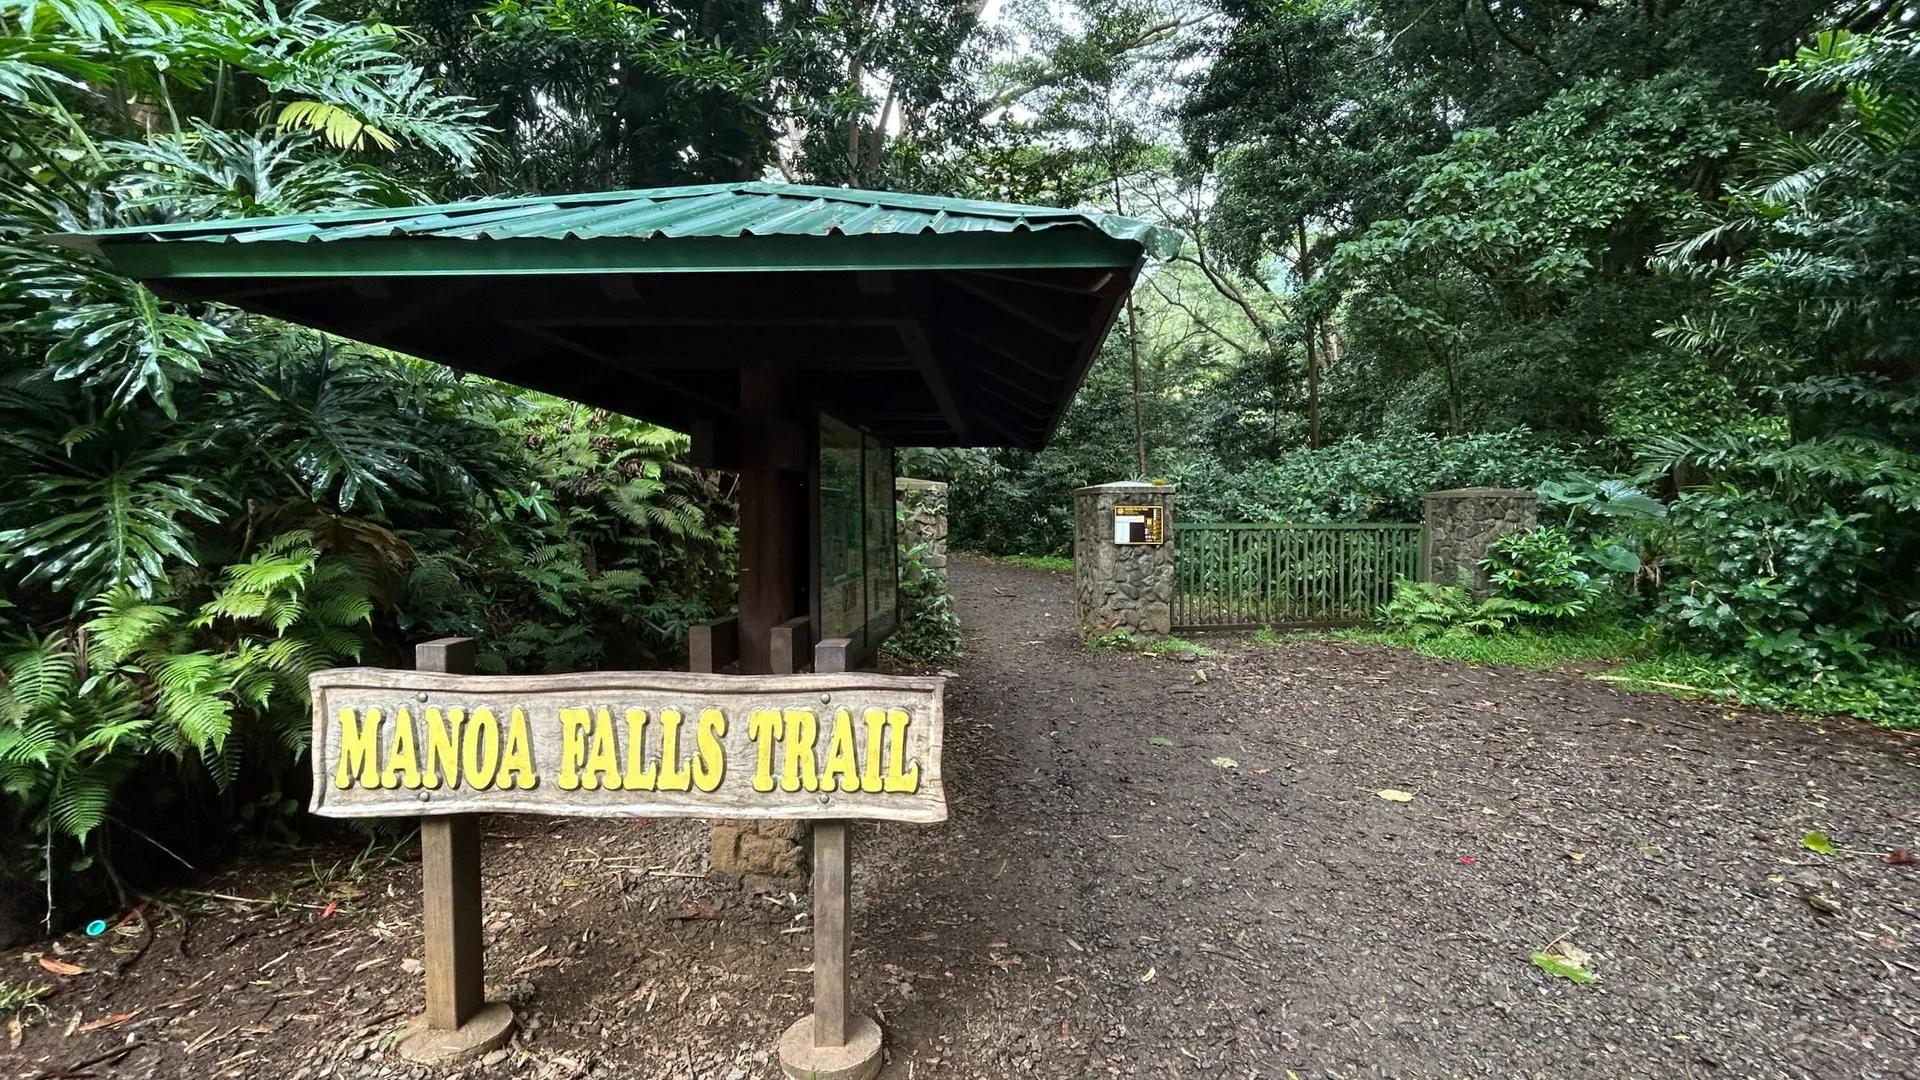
x=1107 y=900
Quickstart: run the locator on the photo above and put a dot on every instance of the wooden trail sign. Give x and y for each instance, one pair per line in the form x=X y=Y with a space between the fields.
x=444 y=745
x=627 y=744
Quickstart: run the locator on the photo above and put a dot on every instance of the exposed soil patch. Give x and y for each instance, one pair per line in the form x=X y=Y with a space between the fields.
x=1104 y=904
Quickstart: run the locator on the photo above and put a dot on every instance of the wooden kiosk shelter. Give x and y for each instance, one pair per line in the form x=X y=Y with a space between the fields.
x=767 y=321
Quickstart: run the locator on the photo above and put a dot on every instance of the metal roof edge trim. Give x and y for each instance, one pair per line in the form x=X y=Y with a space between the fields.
x=429 y=257
x=1159 y=240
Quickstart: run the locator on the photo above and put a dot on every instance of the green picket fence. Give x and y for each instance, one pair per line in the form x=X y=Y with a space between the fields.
x=1237 y=575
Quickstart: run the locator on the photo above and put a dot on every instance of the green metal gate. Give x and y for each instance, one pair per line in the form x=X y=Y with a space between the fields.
x=1238 y=575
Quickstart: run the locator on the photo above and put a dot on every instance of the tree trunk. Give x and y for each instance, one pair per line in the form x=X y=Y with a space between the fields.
x=1453 y=394
x=1313 y=341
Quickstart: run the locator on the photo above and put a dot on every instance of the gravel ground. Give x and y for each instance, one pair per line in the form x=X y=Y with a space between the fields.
x=1155 y=867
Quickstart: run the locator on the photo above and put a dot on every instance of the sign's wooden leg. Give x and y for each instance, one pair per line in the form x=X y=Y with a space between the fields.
x=450 y=902
x=459 y=1024
x=831 y=944
x=835 y=1043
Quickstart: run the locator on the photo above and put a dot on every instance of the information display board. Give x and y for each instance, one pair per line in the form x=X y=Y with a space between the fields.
x=1139 y=525
x=859 y=558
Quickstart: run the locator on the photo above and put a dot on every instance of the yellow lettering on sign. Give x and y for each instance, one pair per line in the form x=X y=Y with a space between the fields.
x=711 y=765
x=900 y=778
x=360 y=750
x=403 y=762
x=480 y=750
x=603 y=755
x=443 y=747
x=876 y=721
x=763 y=727
x=842 y=772
x=516 y=765
x=573 y=746
x=673 y=775
x=799 y=773
x=639 y=772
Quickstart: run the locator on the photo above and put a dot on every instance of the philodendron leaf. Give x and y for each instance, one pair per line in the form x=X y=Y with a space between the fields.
x=1561 y=967
x=1817 y=843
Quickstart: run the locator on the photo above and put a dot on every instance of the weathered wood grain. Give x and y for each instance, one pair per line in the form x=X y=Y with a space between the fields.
x=730 y=769
x=450 y=883
x=832 y=941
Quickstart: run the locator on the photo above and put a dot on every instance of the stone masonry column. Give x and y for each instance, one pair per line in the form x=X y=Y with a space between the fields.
x=1462 y=523
x=1122 y=566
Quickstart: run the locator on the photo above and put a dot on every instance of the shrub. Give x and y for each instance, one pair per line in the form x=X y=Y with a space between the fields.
x=1380 y=479
x=1423 y=609
x=929 y=629
x=1780 y=583
x=80 y=711
x=1539 y=577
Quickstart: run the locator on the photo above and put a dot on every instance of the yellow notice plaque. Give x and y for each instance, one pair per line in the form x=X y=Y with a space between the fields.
x=1139 y=525
x=627 y=744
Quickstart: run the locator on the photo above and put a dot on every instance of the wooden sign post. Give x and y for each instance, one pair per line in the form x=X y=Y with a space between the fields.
x=459 y=1023
x=443 y=745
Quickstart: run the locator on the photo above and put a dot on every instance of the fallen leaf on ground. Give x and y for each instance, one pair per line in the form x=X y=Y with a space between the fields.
x=61 y=967
x=15 y=1031
x=1468 y=860
x=1159 y=740
x=412 y=965
x=1817 y=843
x=1395 y=795
x=693 y=910
x=1899 y=857
x=1225 y=762
x=1560 y=965
x=109 y=1021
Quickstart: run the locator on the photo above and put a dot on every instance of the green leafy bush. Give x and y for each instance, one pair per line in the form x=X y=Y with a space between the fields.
x=1423 y=609
x=1785 y=585
x=1537 y=576
x=1378 y=479
x=929 y=629
x=210 y=685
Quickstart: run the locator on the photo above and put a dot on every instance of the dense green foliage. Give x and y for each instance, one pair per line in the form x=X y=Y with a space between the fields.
x=1657 y=260
x=199 y=508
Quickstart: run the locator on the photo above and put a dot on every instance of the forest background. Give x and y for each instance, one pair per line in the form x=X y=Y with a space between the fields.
x=1658 y=259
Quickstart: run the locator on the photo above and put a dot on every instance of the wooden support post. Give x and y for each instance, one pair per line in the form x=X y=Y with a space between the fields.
x=835 y=1042
x=789 y=644
x=771 y=524
x=832 y=946
x=713 y=645
x=450 y=906
x=459 y=1024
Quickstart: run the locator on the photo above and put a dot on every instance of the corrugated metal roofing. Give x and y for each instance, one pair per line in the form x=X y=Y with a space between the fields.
x=713 y=210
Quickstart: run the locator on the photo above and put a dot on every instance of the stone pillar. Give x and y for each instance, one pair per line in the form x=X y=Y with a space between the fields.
x=1462 y=524
x=923 y=523
x=1122 y=586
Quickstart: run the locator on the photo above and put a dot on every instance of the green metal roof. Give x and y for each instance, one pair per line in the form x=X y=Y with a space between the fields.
x=927 y=321
x=611 y=221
